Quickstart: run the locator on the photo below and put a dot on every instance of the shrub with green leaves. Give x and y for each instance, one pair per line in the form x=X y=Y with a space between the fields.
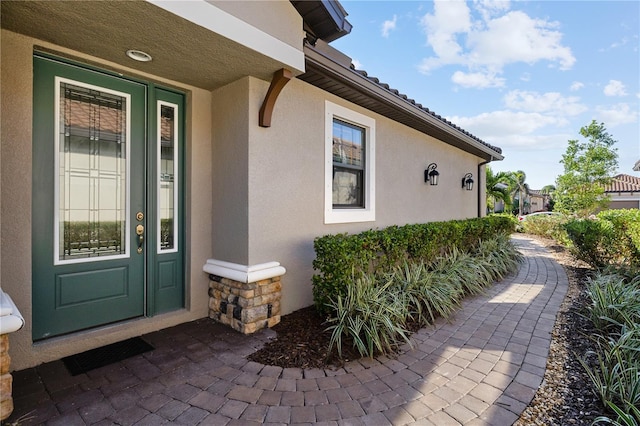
x=625 y=224
x=343 y=258
x=592 y=241
x=548 y=226
x=613 y=237
x=373 y=313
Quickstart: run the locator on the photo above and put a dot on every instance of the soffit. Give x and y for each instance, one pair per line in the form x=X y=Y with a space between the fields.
x=181 y=50
x=369 y=93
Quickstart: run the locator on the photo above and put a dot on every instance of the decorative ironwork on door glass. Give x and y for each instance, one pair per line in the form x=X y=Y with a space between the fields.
x=167 y=177
x=92 y=182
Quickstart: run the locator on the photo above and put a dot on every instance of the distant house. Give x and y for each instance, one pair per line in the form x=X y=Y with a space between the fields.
x=624 y=191
x=161 y=161
x=537 y=201
x=534 y=201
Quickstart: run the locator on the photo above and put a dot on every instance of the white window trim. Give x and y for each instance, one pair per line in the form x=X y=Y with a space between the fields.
x=346 y=215
x=176 y=183
x=56 y=177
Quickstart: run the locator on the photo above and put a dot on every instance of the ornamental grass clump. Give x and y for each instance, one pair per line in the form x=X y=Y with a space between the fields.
x=614 y=310
x=500 y=254
x=616 y=374
x=429 y=295
x=371 y=316
x=615 y=302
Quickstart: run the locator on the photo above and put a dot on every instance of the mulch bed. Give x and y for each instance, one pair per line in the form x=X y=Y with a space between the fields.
x=565 y=396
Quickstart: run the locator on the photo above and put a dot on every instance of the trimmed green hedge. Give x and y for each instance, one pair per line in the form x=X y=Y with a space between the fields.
x=343 y=258
x=613 y=238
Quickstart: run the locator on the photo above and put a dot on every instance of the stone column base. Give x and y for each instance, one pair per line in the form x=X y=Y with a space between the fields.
x=245 y=307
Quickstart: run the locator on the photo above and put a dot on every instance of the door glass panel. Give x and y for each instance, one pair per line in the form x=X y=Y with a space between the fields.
x=91 y=187
x=167 y=177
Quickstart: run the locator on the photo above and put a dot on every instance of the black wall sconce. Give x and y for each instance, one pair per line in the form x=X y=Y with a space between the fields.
x=467 y=181
x=431 y=174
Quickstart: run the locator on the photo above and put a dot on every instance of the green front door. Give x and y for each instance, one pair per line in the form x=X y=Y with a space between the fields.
x=106 y=226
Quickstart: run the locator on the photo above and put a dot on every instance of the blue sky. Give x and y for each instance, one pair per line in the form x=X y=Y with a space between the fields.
x=521 y=75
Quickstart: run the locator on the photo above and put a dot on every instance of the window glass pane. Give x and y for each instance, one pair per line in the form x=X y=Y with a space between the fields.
x=348 y=164
x=92 y=175
x=167 y=191
x=347 y=187
x=348 y=144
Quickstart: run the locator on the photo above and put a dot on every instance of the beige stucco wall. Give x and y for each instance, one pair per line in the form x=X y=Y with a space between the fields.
x=230 y=117
x=276 y=17
x=627 y=203
x=16 y=169
x=286 y=182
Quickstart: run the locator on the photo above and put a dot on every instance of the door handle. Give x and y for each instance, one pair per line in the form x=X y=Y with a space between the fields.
x=140 y=233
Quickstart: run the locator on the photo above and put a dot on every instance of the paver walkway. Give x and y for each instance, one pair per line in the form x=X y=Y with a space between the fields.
x=481 y=368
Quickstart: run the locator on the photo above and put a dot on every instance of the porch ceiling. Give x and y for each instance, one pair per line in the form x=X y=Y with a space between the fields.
x=181 y=50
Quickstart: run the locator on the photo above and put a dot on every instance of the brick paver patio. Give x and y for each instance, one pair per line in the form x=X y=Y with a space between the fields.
x=480 y=368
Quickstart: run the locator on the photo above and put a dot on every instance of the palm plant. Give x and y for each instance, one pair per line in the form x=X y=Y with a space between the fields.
x=548 y=191
x=497 y=185
x=519 y=187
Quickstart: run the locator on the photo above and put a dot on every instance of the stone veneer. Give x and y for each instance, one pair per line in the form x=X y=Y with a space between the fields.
x=6 y=400
x=246 y=307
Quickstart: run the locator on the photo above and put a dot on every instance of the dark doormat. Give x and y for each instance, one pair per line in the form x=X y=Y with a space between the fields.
x=99 y=357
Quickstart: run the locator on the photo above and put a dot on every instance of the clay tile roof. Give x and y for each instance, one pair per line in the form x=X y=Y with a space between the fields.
x=624 y=183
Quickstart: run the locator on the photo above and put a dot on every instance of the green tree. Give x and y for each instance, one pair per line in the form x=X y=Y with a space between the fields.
x=588 y=166
x=520 y=188
x=549 y=190
x=497 y=184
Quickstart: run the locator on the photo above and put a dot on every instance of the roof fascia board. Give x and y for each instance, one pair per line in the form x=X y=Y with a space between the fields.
x=339 y=15
x=373 y=90
x=208 y=16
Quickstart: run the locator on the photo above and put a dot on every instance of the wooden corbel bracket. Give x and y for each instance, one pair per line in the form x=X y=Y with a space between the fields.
x=279 y=80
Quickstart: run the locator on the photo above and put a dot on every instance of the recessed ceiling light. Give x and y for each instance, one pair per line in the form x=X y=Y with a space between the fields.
x=139 y=55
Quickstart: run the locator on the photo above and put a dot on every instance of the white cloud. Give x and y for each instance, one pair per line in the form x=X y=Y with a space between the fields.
x=476 y=80
x=575 y=86
x=448 y=19
x=528 y=142
x=614 y=115
x=550 y=102
x=508 y=126
x=388 y=26
x=525 y=76
x=356 y=63
x=616 y=44
x=492 y=6
x=498 y=38
x=516 y=37
x=615 y=88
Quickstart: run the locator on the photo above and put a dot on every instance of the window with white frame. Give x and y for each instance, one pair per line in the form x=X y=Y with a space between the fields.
x=349 y=165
